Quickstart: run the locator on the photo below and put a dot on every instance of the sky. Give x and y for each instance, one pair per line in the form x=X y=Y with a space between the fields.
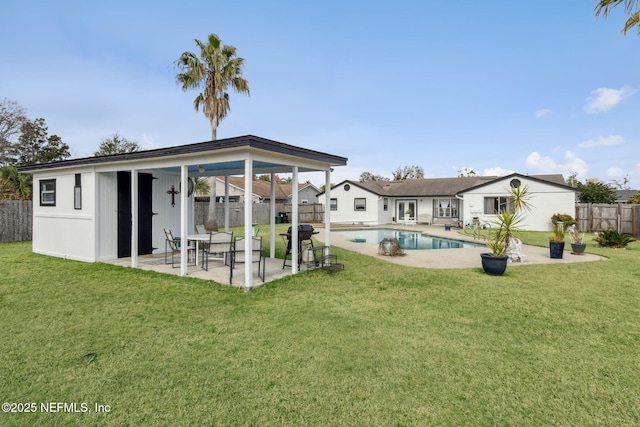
x=495 y=86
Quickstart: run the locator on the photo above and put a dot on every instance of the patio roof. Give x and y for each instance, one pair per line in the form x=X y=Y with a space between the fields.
x=220 y=146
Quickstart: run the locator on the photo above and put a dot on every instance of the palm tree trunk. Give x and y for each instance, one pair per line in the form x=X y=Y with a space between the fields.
x=212 y=221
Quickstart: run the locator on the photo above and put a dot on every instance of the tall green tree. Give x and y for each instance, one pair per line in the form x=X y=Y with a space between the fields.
x=35 y=146
x=631 y=9
x=408 y=172
x=368 y=177
x=12 y=117
x=597 y=192
x=213 y=72
x=116 y=144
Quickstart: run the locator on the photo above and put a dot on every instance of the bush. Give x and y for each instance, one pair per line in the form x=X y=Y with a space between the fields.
x=566 y=219
x=613 y=239
x=635 y=199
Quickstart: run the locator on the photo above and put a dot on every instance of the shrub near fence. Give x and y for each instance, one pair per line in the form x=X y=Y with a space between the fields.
x=16 y=220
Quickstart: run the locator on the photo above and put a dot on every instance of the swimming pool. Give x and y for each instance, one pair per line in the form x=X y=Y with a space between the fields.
x=409 y=240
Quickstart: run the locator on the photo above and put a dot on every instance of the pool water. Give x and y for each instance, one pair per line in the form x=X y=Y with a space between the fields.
x=409 y=240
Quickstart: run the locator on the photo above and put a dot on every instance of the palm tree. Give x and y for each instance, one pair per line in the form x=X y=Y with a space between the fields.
x=15 y=185
x=631 y=8
x=213 y=73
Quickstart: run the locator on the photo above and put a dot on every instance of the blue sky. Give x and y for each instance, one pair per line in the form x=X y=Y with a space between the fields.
x=497 y=86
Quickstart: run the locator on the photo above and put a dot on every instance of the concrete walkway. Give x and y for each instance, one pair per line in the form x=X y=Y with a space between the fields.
x=449 y=258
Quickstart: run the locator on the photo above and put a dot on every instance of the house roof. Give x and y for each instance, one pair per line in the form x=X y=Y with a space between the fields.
x=220 y=145
x=263 y=188
x=624 y=195
x=553 y=179
x=440 y=187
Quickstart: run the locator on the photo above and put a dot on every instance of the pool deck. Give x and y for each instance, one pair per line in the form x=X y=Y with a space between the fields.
x=449 y=258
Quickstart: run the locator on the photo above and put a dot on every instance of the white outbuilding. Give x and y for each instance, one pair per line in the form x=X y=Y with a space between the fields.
x=107 y=207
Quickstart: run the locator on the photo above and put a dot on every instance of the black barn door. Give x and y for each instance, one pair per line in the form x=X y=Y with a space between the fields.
x=145 y=214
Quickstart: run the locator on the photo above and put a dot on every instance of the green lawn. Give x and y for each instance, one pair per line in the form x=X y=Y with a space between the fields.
x=376 y=344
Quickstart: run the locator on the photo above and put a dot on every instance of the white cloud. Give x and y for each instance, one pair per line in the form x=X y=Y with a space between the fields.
x=544 y=112
x=496 y=171
x=603 y=99
x=544 y=164
x=148 y=142
x=602 y=141
x=615 y=172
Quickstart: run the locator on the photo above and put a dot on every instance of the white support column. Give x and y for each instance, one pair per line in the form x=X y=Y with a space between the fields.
x=134 y=218
x=226 y=203
x=327 y=209
x=272 y=218
x=184 y=212
x=248 y=220
x=294 y=222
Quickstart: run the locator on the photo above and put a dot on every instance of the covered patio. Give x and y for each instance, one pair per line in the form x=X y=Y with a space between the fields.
x=129 y=199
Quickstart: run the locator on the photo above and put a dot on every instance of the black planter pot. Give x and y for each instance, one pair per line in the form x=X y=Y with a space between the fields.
x=578 y=248
x=556 y=249
x=494 y=265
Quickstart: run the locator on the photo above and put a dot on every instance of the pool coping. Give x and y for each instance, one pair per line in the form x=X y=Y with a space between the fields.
x=448 y=258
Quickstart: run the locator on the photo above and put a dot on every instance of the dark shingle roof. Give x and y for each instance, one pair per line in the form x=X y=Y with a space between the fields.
x=436 y=187
x=246 y=141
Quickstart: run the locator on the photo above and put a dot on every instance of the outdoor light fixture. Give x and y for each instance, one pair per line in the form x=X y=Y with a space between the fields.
x=200 y=169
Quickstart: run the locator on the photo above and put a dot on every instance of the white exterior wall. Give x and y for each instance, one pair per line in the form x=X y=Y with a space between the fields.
x=385 y=217
x=346 y=212
x=168 y=216
x=107 y=207
x=545 y=200
x=65 y=232
x=61 y=230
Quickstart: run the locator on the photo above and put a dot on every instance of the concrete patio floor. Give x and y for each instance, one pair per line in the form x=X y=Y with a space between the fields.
x=217 y=272
x=442 y=258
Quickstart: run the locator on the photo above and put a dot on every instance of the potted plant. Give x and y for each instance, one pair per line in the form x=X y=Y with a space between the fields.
x=495 y=262
x=507 y=222
x=556 y=240
x=578 y=244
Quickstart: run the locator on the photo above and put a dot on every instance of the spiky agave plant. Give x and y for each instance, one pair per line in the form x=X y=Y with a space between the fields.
x=509 y=220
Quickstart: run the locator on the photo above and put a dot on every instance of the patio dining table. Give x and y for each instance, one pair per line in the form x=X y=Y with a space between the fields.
x=198 y=238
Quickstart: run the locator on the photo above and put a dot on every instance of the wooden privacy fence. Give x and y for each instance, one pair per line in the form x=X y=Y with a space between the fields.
x=307 y=212
x=622 y=217
x=16 y=220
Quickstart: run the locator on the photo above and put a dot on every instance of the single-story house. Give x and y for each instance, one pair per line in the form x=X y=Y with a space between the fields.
x=108 y=207
x=458 y=201
x=307 y=192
